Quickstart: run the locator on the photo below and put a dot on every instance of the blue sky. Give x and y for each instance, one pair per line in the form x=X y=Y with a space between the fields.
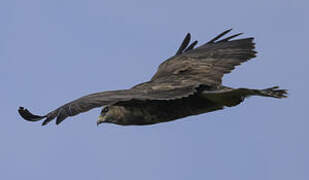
x=52 y=52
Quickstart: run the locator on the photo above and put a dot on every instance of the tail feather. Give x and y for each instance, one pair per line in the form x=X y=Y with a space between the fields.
x=231 y=97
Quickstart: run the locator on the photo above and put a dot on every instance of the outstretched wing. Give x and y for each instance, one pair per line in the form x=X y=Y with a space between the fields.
x=180 y=76
x=141 y=92
x=207 y=63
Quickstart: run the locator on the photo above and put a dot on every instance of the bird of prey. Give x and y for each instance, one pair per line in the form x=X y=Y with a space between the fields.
x=188 y=83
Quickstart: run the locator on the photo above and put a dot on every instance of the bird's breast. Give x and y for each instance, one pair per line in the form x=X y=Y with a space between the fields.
x=152 y=112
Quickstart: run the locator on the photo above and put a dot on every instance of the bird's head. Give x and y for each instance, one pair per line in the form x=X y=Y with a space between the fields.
x=112 y=114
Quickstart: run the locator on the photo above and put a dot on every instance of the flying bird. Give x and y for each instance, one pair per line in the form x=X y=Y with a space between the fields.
x=188 y=83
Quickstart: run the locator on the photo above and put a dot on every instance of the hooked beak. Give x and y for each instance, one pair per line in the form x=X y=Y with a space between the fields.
x=100 y=120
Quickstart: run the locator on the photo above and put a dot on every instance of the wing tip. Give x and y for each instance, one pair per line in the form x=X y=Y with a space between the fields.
x=47 y=120
x=219 y=36
x=184 y=44
x=216 y=39
x=44 y=123
x=27 y=115
x=191 y=46
x=59 y=114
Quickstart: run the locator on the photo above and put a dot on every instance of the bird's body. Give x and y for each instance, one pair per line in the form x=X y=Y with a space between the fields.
x=188 y=83
x=145 y=113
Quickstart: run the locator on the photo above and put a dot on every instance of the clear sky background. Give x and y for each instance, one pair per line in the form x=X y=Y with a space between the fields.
x=52 y=52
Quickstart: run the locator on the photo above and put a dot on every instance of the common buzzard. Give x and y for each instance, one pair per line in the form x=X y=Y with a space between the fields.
x=188 y=83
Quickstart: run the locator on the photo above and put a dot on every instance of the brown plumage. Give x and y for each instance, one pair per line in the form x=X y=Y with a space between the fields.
x=188 y=83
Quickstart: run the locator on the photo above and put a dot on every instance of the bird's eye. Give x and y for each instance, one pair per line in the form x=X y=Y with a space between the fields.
x=105 y=109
